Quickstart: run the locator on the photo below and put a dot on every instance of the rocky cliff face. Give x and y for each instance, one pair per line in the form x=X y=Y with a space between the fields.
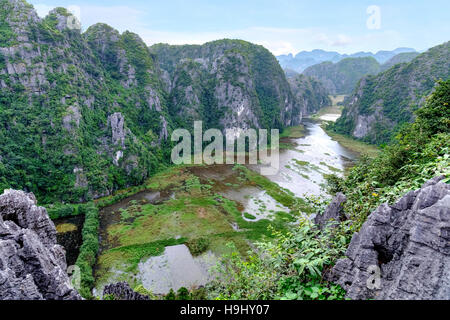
x=85 y=114
x=32 y=265
x=402 y=251
x=227 y=84
x=310 y=94
x=333 y=214
x=60 y=89
x=381 y=103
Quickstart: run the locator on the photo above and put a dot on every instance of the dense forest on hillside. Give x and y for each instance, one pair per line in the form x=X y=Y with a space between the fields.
x=86 y=114
x=342 y=77
x=381 y=104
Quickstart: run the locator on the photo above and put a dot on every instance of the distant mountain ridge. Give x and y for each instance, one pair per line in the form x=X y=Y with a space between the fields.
x=342 y=77
x=380 y=104
x=305 y=59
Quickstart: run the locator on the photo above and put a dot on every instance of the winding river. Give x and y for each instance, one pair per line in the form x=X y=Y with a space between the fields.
x=302 y=167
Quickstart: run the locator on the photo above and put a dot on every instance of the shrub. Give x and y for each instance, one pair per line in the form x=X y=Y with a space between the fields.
x=88 y=251
x=198 y=246
x=183 y=294
x=289 y=267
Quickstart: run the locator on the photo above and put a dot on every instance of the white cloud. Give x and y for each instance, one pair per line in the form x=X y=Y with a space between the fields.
x=42 y=9
x=120 y=17
x=277 y=40
x=342 y=40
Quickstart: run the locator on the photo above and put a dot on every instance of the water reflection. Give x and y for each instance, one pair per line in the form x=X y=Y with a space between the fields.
x=302 y=168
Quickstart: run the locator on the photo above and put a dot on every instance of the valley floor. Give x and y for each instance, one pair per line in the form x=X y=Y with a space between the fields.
x=203 y=212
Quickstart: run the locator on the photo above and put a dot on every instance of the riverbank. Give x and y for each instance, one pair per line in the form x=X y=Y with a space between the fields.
x=331 y=114
x=352 y=144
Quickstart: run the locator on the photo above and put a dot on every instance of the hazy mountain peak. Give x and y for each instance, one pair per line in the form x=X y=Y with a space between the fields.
x=305 y=59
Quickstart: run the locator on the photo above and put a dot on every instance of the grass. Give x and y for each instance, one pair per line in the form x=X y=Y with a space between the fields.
x=331 y=168
x=249 y=216
x=128 y=258
x=189 y=217
x=333 y=109
x=295 y=132
x=168 y=178
x=328 y=110
x=283 y=196
x=195 y=214
x=353 y=145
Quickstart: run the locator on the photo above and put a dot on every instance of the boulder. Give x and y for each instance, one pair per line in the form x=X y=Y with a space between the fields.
x=123 y=291
x=32 y=265
x=402 y=251
x=334 y=211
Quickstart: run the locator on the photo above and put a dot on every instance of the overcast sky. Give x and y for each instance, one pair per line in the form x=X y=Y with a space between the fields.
x=282 y=26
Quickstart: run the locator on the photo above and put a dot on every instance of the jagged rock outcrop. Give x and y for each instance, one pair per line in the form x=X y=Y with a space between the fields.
x=32 y=265
x=410 y=244
x=333 y=212
x=59 y=89
x=117 y=121
x=123 y=291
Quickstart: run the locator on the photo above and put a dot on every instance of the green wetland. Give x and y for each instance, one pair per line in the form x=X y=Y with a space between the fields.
x=173 y=232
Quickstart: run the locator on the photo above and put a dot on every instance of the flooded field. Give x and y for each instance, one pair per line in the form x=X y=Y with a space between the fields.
x=69 y=236
x=174 y=269
x=148 y=238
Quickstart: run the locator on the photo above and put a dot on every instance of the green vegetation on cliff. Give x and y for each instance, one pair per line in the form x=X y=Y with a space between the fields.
x=382 y=104
x=228 y=83
x=71 y=128
x=83 y=115
x=342 y=77
x=310 y=93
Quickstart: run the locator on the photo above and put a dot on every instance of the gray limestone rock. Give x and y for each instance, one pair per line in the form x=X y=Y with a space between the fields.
x=334 y=211
x=123 y=291
x=32 y=265
x=408 y=243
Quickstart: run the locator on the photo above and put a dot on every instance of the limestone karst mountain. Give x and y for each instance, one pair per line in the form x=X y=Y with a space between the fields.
x=381 y=103
x=84 y=114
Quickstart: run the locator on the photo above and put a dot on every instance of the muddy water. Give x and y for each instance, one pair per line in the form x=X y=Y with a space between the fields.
x=71 y=240
x=174 y=269
x=302 y=168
